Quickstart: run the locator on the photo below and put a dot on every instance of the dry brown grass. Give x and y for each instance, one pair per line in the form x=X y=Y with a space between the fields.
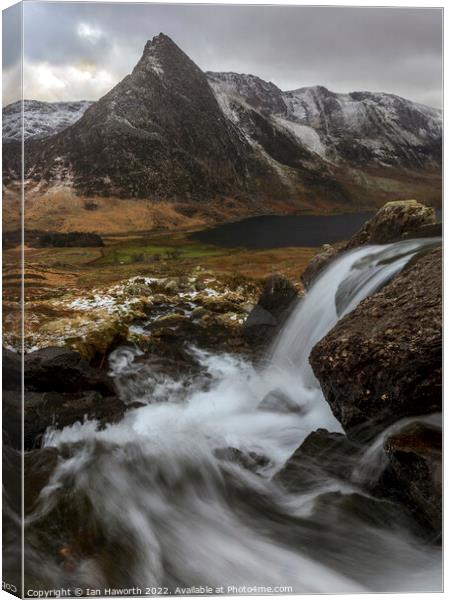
x=64 y=211
x=290 y=262
x=60 y=209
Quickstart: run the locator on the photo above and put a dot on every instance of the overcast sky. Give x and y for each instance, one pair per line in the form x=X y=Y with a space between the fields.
x=79 y=51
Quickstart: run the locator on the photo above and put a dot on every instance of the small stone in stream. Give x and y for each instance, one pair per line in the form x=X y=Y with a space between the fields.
x=277 y=401
x=248 y=460
x=259 y=317
x=171 y=286
x=415 y=471
x=275 y=302
x=277 y=295
x=198 y=312
x=322 y=455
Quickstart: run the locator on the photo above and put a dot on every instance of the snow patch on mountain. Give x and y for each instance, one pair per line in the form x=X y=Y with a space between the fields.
x=227 y=99
x=305 y=134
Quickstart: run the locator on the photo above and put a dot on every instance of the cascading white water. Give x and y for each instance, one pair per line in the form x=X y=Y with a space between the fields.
x=163 y=509
x=337 y=291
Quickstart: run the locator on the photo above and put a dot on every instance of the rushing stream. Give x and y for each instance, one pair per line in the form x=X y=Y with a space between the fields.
x=155 y=501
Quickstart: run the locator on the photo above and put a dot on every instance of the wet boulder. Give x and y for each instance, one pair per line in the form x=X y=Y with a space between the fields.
x=424 y=231
x=54 y=409
x=391 y=222
x=252 y=461
x=11 y=369
x=414 y=474
x=322 y=455
x=278 y=401
x=63 y=370
x=274 y=305
x=259 y=317
x=277 y=295
x=61 y=388
x=383 y=361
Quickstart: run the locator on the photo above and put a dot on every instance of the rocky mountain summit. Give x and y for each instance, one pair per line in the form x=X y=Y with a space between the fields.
x=169 y=131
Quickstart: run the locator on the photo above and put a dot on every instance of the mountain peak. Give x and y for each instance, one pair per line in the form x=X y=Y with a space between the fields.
x=157 y=41
x=170 y=131
x=161 y=55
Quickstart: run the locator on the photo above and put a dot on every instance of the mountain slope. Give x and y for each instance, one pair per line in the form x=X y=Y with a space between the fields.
x=168 y=131
x=363 y=126
x=357 y=128
x=159 y=131
x=162 y=134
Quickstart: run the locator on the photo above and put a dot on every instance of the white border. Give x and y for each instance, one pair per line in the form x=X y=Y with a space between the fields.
x=386 y=3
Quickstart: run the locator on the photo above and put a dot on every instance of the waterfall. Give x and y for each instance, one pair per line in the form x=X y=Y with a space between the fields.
x=337 y=291
x=153 y=502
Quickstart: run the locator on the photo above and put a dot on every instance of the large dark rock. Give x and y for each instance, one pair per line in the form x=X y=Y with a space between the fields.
x=401 y=219
x=424 y=231
x=277 y=295
x=63 y=370
x=61 y=388
x=383 y=361
x=11 y=370
x=415 y=471
x=259 y=317
x=54 y=409
x=391 y=222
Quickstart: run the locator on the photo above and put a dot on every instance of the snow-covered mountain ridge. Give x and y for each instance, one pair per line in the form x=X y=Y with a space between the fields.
x=361 y=126
x=41 y=119
x=386 y=127
x=169 y=131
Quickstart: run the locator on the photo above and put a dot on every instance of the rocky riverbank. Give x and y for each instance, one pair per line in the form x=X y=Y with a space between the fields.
x=380 y=369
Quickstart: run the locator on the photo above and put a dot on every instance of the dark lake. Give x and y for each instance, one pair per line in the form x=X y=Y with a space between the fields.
x=283 y=231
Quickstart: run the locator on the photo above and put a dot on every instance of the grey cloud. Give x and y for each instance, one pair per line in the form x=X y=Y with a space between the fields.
x=11 y=53
x=380 y=49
